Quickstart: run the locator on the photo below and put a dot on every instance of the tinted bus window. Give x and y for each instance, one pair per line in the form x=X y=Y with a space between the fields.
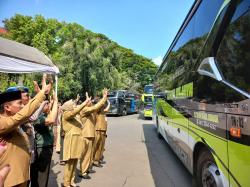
x=178 y=60
x=204 y=86
x=233 y=53
x=148 y=89
x=121 y=94
x=148 y=99
x=186 y=36
x=205 y=20
x=112 y=94
x=130 y=95
x=205 y=17
x=182 y=61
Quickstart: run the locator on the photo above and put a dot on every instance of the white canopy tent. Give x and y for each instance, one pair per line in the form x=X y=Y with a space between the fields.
x=19 y=58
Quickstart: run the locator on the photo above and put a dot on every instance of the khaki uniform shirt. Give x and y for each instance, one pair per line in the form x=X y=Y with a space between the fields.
x=101 y=122
x=87 y=118
x=17 y=153
x=73 y=140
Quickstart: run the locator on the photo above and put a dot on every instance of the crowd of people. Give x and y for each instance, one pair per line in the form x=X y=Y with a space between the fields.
x=28 y=136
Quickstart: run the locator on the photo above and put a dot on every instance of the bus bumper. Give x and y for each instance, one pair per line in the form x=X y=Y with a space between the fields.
x=113 y=111
x=148 y=113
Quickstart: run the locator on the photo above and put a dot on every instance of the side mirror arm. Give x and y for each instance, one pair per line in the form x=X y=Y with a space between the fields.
x=208 y=67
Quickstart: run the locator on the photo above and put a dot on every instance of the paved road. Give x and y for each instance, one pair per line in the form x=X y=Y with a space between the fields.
x=134 y=157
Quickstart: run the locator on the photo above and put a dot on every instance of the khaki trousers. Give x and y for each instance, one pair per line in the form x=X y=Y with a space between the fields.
x=87 y=155
x=99 y=145
x=103 y=145
x=24 y=184
x=58 y=138
x=69 y=172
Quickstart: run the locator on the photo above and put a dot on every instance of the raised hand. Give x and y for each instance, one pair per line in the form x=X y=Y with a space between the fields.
x=54 y=96
x=77 y=97
x=36 y=87
x=105 y=92
x=46 y=87
x=87 y=95
x=88 y=99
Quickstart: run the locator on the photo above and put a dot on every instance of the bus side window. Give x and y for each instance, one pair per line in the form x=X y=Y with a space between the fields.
x=230 y=46
x=232 y=55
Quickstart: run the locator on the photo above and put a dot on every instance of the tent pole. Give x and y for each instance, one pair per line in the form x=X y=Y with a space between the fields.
x=56 y=79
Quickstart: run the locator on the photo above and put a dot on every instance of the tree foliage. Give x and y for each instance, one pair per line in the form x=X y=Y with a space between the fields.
x=87 y=61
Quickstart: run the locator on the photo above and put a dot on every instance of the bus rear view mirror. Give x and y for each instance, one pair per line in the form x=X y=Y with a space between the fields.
x=208 y=68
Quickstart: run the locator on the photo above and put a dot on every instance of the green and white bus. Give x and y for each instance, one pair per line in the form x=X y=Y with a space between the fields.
x=203 y=111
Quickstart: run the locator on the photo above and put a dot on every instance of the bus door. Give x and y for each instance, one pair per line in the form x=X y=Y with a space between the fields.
x=132 y=105
x=163 y=118
x=128 y=103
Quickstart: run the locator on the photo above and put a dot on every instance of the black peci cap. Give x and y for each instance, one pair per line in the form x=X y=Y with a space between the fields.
x=23 y=89
x=10 y=96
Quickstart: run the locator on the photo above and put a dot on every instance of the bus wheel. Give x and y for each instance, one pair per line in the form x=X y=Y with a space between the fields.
x=124 y=112
x=207 y=174
x=157 y=129
x=158 y=133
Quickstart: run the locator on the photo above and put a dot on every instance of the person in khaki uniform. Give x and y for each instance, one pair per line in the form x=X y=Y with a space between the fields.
x=72 y=147
x=13 y=114
x=58 y=129
x=100 y=133
x=6 y=169
x=88 y=133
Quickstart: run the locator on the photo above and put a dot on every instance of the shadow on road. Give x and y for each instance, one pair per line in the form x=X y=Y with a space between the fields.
x=53 y=175
x=166 y=168
x=119 y=116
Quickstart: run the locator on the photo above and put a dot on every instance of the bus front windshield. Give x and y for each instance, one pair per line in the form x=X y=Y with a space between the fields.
x=112 y=94
x=148 y=89
x=148 y=99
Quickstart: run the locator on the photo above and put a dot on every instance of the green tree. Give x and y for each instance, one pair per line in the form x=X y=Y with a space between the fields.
x=87 y=61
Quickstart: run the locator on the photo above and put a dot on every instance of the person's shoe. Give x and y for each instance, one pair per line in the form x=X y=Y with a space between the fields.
x=102 y=162
x=73 y=185
x=91 y=171
x=61 y=162
x=62 y=185
x=97 y=165
x=85 y=176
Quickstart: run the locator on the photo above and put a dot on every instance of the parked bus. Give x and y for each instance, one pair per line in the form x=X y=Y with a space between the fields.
x=117 y=102
x=147 y=99
x=123 y=102
x=147 y=105
x=204 y=113
x=132 y=102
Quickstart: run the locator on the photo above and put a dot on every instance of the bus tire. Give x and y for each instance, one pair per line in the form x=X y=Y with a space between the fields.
x=157 y=129
x=124 y=112
x=207 y=172
x=158 y=133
